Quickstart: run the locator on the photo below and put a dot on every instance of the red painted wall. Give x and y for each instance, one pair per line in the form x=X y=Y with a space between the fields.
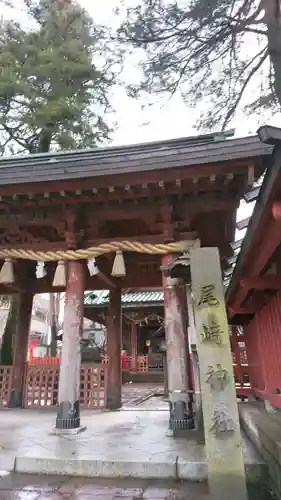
x=263 y=344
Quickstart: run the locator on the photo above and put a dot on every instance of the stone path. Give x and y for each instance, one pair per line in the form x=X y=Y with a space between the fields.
x=30 y=487
x=133 y=393
x=132 y=443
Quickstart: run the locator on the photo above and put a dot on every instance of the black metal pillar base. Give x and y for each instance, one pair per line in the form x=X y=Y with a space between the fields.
x=68 y=415
x=181 y=418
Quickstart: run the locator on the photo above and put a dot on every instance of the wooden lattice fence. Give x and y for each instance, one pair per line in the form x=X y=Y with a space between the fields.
x=42 y=383
x=6 y=373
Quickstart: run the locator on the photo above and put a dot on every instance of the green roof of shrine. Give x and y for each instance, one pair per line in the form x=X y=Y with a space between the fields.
x=100 y=297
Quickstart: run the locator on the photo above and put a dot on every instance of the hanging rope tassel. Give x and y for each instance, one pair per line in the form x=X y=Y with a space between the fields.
x=118 y=268
x=7 y=272
x=60 y=275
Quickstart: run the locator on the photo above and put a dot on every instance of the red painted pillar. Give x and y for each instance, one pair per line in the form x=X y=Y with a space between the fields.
x=134 y=346
x=176 y=353
x=114 y=336
x=20 y=349
x=68 y=415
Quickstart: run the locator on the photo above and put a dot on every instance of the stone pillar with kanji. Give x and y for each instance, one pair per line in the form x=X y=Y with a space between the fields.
x=177 y=354
x=226 y=475
x=68 y=414
x=114 y=336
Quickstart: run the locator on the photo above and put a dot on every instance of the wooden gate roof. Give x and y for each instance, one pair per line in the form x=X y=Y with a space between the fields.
x=180 y=189
x=211 y=151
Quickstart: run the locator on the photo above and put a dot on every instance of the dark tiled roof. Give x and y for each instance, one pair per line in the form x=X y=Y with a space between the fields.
x=176 y=153
x=100 y=297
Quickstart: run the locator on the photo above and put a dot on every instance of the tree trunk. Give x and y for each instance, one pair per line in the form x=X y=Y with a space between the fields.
x=272 y=20
x=10 y=331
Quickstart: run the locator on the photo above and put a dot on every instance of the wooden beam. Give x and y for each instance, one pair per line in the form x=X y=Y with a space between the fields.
x=104 y=274
x=62 y=245
x=132 y=281
x=265 y=245
x=261 y=282
x=14 y=288
x=94 y=315
x=154 y=239
x=240 y=310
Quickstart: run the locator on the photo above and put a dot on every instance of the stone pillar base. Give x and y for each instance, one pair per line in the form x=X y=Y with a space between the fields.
x=181 y=418
x=68 y=416
x=68 y=432
x=183 y=433
x=113 y=404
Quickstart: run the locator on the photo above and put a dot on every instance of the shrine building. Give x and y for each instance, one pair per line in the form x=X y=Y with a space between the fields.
x=253 y=295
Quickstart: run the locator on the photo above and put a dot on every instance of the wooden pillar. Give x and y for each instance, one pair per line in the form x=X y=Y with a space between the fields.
x=176 y=353
x=185 y=319
x=195 y=368
x=134 y=346
x=20 y=349
x=114 y=335
x=68 y=415
x=224 y=452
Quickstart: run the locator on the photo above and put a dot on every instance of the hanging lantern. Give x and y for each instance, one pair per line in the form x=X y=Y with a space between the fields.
x=148 y=343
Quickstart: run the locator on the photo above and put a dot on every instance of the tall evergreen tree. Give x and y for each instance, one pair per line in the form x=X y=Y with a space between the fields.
x=214 y=52
x=56 y=75
x=55 y=79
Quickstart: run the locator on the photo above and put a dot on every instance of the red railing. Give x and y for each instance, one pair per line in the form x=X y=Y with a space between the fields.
x=240 y=367
x=263 y=342
x=46 y=360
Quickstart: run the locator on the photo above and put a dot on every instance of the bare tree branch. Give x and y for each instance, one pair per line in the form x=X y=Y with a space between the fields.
x=202 y=52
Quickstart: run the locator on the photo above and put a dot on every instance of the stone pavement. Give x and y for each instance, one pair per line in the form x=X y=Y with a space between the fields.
x=29 y=487
x=130 y=443
x=134 y=393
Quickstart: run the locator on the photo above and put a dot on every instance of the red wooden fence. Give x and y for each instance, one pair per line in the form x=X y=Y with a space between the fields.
x=6 y=373
x=42 y=374
x=42 y=383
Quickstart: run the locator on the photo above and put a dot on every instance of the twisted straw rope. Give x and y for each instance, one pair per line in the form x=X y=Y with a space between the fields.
x=124 y=246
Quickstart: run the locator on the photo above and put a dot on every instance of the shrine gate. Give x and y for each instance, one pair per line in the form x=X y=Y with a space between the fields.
x=108 y=219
